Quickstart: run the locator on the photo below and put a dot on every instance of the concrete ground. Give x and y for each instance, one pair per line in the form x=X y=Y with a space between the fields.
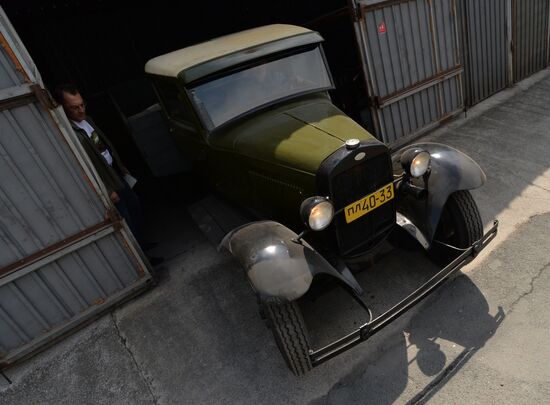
x=197 y=338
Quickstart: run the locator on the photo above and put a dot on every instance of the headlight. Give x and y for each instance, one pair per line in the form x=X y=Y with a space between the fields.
x=317 y=212
x=415 y=162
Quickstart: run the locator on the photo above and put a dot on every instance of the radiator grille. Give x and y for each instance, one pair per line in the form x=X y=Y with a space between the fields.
x=352 y=184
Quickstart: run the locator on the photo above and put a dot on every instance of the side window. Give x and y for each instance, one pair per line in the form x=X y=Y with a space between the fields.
x=175 y=106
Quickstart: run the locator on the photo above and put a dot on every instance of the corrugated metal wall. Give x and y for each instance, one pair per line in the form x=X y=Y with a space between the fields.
x=530 y=36
x=414 y=51
x=485 y=48
x=62 y=259
x=410 y=50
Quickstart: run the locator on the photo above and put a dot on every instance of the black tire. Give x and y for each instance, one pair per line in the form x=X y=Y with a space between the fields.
x=290 y=332
x=460 y=225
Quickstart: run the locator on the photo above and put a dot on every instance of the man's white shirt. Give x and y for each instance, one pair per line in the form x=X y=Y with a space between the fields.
x=85 y=125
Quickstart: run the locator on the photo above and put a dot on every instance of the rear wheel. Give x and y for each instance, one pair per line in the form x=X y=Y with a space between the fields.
x=289 y=329
x=460 y=226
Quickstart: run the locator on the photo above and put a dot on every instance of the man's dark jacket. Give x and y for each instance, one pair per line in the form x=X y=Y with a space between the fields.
x=111 y=175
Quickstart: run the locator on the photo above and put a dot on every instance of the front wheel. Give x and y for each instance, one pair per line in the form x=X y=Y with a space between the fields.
x=289 y=329
x=460 y=226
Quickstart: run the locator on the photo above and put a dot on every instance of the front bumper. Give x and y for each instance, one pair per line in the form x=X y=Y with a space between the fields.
x=375 y=325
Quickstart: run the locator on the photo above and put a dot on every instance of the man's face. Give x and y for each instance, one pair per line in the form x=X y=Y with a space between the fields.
x=74 y=106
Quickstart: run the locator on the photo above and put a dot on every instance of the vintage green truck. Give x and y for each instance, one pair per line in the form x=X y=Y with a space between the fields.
x=253 y=112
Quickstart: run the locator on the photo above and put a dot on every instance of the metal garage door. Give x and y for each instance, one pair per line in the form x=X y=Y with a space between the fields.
x=530 y=36
x=486 y=51
x=410 y=54
x=65 y=255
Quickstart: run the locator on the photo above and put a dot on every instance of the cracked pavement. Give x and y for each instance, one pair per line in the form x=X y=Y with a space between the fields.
x=197 y=338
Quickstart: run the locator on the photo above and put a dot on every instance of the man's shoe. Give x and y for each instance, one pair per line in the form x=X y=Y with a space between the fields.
x=155 y=261
x=148 y=245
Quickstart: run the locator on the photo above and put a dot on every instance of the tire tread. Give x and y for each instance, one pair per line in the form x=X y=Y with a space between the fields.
x=289 y=330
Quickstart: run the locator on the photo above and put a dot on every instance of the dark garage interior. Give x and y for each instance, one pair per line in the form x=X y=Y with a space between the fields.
x=102 y=47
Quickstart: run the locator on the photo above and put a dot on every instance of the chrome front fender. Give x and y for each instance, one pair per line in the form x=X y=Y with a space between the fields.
x=279 y=266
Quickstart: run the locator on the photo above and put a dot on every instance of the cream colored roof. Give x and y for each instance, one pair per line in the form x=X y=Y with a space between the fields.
x=172 y=63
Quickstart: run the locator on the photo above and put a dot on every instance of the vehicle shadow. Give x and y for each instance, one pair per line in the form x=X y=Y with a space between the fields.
x=437 y=337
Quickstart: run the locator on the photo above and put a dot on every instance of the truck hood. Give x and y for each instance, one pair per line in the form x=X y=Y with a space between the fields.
x=299 y=135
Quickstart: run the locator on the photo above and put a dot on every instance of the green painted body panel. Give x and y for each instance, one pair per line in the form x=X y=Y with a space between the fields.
x=297 y=135
x=268 y=161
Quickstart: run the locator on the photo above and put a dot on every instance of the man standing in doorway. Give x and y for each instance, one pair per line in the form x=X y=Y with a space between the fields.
x=106 y=161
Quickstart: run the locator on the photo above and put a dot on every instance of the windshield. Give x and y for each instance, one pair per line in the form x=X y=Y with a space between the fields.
x=225 y=98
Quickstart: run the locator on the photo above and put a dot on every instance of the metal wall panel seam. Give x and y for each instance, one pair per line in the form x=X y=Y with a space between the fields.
x=9 y=68
x=24 y=300
x=496 y=41
x=532 y=24
x=369 y=75
x=89 y=275
x=388 y=71
x=533 y=36
x=54 y=282
x=491 y=45
x=52 y=293
x=500 y=34
x=544 y=33
x=515 y=40
x=496 y=38
x=483 y=53
x=479 y=69
x=409 y=35
x=469 y=56
x=78 y=171
x=547 y=62
x=536 y=37
x=510 y=43
x=388 y=67
x=397 y=66
x=50 y=178
x=11 y=207
x=13 y=325
x=73 y=169
x=56 y=255
x=17 y=251
x=24 y=182
x=107 y=265
x=541 y=47
x=410 y=112
x=124 y=271
x=361 y=37
x=49 y=293
x=436 y=60
x=519 y=45
x=8 y=249
x=526 y=39
x=401 y=45
x=60 y=271
x=366 y=47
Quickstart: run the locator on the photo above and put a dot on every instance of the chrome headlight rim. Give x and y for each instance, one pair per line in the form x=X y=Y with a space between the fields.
x=317 y=212
x=415 y=162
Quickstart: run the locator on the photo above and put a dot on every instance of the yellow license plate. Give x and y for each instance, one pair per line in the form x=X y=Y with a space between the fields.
x=366 y=204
